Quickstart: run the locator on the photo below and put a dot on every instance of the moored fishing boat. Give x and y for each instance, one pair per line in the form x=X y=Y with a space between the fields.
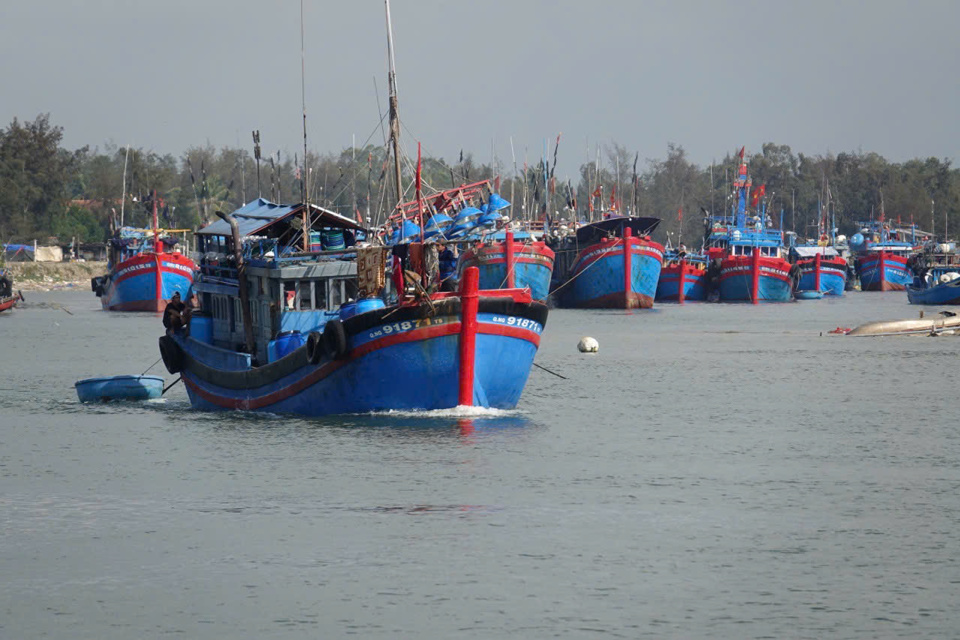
x=8 y=297
x=882 y=255
x=746 y=250
x=682 y=278
x=937 y=279
x=146 y=268
x=822 y=269
x=483 y=237
x=610 y=264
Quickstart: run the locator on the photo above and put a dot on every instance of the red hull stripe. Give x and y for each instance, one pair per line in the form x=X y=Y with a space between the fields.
x=320 y=373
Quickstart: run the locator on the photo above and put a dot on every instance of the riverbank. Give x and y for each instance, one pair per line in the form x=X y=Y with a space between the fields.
x=53 y=276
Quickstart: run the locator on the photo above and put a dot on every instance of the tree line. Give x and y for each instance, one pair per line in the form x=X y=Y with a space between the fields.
x=47 y=191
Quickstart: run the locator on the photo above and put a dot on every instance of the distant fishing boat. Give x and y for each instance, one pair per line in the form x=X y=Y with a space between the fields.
x=683 y=277
x=822 y=269
x=882 y=254
x=119 y=388
x=8 y=298
x=146 y=269
x=506 y=258
x=745 y=248
x=937 y=279
x=610 y=264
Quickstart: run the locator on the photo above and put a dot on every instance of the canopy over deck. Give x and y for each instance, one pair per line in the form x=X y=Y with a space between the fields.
x=257 y=215
x=596 y=231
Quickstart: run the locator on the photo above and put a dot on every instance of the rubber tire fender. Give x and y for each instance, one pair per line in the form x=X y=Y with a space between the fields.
x=314 y=347
x=335 y=339
x=172 y=354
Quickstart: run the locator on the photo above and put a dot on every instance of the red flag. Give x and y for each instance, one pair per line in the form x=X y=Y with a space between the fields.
x=758 y=193
x=553 y=185
x=496 y=184
x=359 y=218
x=680 y=215
x=598 y=192
x=613 y=197
x=742 y=149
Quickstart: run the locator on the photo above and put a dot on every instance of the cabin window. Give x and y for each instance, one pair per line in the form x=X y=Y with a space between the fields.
x=350 y=289
x=336 y=294
x=320 y=295
x=289 y=295
x=306 y=295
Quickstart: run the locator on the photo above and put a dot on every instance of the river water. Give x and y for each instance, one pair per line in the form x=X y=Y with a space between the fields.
x=715 y=471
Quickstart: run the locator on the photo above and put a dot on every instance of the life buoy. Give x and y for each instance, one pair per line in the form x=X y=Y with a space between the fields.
x=314 y=347
x=335 y=339
x=172 y=354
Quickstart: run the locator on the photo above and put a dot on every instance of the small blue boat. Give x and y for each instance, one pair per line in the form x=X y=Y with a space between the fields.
x=809 y=294
x=937 y=279
x=119 y=388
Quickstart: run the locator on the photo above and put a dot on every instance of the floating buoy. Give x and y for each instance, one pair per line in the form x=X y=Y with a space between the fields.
x=588 y=345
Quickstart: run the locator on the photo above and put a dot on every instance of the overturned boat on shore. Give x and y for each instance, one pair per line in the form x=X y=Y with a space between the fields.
x=943 y=322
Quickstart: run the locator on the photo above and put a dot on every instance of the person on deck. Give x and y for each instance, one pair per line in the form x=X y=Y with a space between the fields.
x=173 y=313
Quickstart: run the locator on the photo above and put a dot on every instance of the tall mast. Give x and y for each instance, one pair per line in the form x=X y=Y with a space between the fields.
x=304 y=186
x=394 y=114
x=123 y=198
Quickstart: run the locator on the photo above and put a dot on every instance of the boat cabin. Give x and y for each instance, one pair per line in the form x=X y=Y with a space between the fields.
x=295 y=282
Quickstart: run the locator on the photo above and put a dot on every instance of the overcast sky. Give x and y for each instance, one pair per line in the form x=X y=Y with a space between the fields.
x=710 y=75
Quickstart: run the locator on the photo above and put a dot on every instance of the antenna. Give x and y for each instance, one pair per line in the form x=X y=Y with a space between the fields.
x=123 y=198
x=256 y=155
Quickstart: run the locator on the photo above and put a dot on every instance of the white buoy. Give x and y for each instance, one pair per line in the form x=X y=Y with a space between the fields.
x=588 y=345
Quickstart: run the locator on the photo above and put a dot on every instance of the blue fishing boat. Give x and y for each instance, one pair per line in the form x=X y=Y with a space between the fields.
x=937 y=279
x=882 y=253
x=482 y=236
x=119 y=388
x=683 y=277
x=821 y=269
x=746 y=250
x=145 y=269
x=610 y=264
x=291 y=331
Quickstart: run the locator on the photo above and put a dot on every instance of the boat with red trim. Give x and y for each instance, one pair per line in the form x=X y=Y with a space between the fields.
x=882 y=255
x=146 y=269
x=821 y=269
x=746 y=252
x=611 y=264
x=8 y=298
x=481 y=236
x=683 y=277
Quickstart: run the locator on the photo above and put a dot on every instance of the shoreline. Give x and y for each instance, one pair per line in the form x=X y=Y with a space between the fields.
x=54 y=276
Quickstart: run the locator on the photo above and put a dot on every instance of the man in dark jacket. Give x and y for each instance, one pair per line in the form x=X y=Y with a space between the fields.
x=173 y=313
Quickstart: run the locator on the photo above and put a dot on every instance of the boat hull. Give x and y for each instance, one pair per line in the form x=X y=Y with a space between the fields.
x=832 y=277
x=947 y=293
x=119 y=388
x=396 y=359
x=694 y=281
x=532 y=266
x=598 y=278
x=9 y=302
x=147 y=281
x=883 y=271
x=737 y=276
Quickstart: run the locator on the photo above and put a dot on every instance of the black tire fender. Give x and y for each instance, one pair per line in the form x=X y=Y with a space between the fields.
x=172 y=354
x=314 y=347
x=335 y=339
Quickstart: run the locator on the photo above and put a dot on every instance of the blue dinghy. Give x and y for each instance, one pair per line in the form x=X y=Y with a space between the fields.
x=119 y=388
x=809 y=294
